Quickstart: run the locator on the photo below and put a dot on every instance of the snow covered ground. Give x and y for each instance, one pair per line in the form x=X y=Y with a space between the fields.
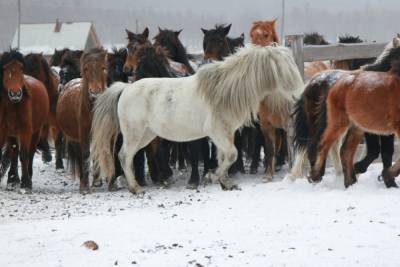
x=282 y=223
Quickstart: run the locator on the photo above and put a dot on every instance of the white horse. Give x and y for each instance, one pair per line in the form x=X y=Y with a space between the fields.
x=220 y=98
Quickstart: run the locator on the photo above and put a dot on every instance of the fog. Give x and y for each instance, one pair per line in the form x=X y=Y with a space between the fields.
x=371 y=20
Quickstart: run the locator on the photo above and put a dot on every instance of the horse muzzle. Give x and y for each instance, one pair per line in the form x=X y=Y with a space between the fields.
x=15 y=97
x=95 y=93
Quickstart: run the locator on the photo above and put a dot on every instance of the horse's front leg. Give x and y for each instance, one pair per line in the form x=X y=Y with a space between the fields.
x=24 y=156
x=11 y=152
x=227 y=155
x=347 y=152
x=269 y=141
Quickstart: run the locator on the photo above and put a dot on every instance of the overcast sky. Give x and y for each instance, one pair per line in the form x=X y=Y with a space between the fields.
x=371 y=19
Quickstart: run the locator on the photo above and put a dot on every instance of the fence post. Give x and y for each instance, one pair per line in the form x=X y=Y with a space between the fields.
x=295 y=43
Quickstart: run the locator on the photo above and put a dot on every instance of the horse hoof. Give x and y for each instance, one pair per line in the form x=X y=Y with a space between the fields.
x=84 y=190
x=25 y=191
x=97 y=183
x=137 y=190
x=227 y=184
x=192 y=186
x=267 y=179
x=11 y=186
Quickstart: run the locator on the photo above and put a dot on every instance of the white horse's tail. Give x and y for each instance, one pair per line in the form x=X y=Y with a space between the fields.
x=105 y=128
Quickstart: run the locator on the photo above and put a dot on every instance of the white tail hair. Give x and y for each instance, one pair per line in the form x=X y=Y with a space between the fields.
x=105 y=128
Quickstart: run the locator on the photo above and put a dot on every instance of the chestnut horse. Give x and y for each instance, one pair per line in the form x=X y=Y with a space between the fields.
x=305 y=118
x=74 y=112
x=24 y=109
x=364 y=101
x=273 y=115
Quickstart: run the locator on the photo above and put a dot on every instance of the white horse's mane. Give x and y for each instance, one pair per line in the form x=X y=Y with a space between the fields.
x=235 y=87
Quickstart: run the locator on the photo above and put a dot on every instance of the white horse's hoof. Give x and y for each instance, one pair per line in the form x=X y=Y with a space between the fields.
x=267 y=179
x=137 y=190
x=227 y=184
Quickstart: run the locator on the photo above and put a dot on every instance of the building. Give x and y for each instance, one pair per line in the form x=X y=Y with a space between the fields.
x=45 y=38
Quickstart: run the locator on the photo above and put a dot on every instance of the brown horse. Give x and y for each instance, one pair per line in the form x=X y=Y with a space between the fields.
x=312 y=68
x=364 y=101
x=273 y=120
x=24 y=109
x=74 y=111
x=37 y=67
x=136 y=40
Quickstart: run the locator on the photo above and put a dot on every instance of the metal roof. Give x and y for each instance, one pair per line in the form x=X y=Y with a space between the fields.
x=44 y=38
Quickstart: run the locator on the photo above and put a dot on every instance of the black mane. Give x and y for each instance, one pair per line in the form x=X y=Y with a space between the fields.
x=391 y=61
x=314 y=38
x=170 y=41
x=235 y=43
x=349 y=39
x=152 y=63
x=115 y=64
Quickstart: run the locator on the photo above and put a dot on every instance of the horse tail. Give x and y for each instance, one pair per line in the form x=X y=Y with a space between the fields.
x=105 y=129
x=74 y=157
x=300 y=139
x=321 y=124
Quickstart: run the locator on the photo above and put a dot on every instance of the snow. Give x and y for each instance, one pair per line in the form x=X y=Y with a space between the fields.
x=282 y=223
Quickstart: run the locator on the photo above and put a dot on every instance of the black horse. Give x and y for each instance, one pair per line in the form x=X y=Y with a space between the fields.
x=115 y=66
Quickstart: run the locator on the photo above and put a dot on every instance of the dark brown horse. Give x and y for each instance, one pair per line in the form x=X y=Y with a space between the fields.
x=74 y=111
x=364 y=101
x=24 y=109
x=135 y=41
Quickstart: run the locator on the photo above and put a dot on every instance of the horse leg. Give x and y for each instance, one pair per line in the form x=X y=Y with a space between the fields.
x=59 y=150
x=163 y=159
x=258 y=143
x=282 y=149
x=138 y=162
x=373 y=149
x=213 y=159
x=389 y=174
x=227 y=154
x=194 y=151
x=238 y=164
x=24 y=155
x=347 y=151
x=44 y=144
x=269 y=143
x=387 y=150
x=12 y=151
x=132 y=142
x=334 y=154
x=331 y=134
x=181 y=156
x=151 y=154
x=205 y=151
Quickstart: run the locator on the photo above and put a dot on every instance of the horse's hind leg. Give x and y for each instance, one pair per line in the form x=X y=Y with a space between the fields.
x=373 y=149
x=194 y=151
x=269 y=145
x=12 y=151
x=59 y=150
x=227 y=154
x=387 y=150
x=133 y=141
x=347 y=151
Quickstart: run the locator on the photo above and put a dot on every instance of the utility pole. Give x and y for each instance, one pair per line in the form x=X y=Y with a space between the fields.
x=19 y=24
x=137 y=26
x=283 y=22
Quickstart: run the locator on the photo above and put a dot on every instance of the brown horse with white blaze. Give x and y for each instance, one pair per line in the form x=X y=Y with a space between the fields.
x=74 y=111
x=24 y=109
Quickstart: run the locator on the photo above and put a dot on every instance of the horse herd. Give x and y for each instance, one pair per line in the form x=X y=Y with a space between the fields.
x=110 y=113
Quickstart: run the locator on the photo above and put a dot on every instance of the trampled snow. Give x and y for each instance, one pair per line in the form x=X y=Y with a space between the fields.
x=282 y=223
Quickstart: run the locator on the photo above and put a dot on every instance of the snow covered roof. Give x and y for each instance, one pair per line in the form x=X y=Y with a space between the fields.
x=37 y=38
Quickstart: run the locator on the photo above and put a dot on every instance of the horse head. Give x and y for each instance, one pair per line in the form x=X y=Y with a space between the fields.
x=263 y=33
x=12 y=75
x=94 y=71
x=136 y=40
x=215 y=42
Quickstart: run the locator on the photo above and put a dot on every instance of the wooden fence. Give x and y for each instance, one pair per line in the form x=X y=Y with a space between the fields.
x=310 y=53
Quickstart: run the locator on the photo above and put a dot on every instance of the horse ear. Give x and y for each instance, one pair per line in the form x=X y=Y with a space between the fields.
x=274 y=21
x=204 y=31
x=227 y=29
x=242 y=36
x=398 y=35
x=159 y=29
x=130 y=34
x=145 y=33
x=178 y=32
